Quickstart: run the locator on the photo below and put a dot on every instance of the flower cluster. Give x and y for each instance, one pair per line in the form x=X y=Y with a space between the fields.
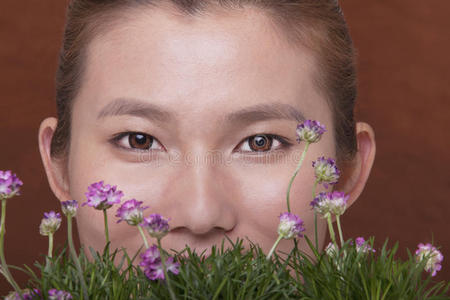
x=326 y=171
x=101 y=196
x=290 y=226
x=55 y=294
x=153 y=265
x=50 y=223
x=362 y=245
x=310 y=131
x=156 y=225
x=26 y=294
x=9 y=184
x=131 y=212
x=432 y=256
x=326 y=204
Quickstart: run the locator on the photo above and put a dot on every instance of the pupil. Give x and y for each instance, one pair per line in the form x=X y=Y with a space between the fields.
x=141 y=139
x=260 y=141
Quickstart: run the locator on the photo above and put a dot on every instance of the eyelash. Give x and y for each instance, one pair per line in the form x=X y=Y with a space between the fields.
x=284 y=144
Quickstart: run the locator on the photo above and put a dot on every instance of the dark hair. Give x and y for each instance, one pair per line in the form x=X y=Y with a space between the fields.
x=317 y=24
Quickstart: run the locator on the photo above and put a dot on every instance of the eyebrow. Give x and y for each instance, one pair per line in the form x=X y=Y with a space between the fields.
x=153 y=112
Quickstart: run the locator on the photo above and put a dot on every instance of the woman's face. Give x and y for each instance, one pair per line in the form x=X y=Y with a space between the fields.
x=197 y=90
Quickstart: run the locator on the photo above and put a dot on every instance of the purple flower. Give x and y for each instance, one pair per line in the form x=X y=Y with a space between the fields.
x=26 y=294
x=69 y=207
x=50 y=223
x=362 y=245
x=55 y=294
x=9 y=184
x=326 y=204
x=290 y=226
x=152 y=264
x=156 y=225
x=102 y=196
x=131 y=212
x=432 y=256
x=310 y=131
x=326 y=171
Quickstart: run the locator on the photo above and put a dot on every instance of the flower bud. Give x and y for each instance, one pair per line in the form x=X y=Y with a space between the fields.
x=50 y=223
x=69 y=208
x=326 y=171
x=331 y=250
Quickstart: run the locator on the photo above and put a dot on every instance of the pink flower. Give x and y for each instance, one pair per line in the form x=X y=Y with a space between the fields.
x=290 y=226
x=431 y=255
x=50 y=223
x=156 y=225
x=310 y=131
x=326 y=171
x=102 y=196
x=131 y=212
x=9 y=184
x=326 y=204
x=152 y=263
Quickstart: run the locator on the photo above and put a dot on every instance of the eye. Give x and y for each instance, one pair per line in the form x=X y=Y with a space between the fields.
x=137 y=140
x=262 y=143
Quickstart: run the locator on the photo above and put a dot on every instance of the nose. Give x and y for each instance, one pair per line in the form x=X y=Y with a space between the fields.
x=199 y=198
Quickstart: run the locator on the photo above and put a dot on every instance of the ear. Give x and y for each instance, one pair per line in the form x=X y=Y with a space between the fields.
x=356 y=172
x=56 y=168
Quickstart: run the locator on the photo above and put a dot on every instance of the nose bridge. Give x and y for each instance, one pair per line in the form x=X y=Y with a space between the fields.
x=198 y=197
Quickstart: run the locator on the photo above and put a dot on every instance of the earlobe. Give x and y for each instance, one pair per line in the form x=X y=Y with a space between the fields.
x=361 y=166
x=55 y=168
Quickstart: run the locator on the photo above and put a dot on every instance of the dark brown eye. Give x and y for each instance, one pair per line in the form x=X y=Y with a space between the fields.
x=260 y=143
x=140 y=141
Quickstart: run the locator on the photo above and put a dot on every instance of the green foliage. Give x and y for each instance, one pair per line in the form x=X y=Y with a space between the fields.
x=234 y=272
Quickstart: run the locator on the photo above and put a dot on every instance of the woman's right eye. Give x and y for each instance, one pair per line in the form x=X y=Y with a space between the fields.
x=138 y=141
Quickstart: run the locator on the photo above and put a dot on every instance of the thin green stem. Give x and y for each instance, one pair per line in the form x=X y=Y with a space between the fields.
x=163 y=262
x=75 y=259
x=330 y=228
x=50 y=245
x=316 y=238
x=5 y=269
x=105 y=216
x=295 y=174
x=141 y=231
x=341 y=237
x=274 y=247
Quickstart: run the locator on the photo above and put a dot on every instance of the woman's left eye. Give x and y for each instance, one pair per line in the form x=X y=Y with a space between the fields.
x=262 y=143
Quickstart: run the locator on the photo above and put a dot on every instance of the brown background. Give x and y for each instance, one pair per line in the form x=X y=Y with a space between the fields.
x=404 y=73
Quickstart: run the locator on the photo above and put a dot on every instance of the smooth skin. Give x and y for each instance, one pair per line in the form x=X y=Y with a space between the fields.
x=197 y=89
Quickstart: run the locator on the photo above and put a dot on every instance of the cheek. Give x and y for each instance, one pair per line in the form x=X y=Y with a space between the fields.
x=263 y=199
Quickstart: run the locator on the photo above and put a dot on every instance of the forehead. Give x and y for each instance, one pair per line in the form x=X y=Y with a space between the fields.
x=214 y=62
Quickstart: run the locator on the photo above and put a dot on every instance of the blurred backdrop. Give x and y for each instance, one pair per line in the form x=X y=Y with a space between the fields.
x=404 y=75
